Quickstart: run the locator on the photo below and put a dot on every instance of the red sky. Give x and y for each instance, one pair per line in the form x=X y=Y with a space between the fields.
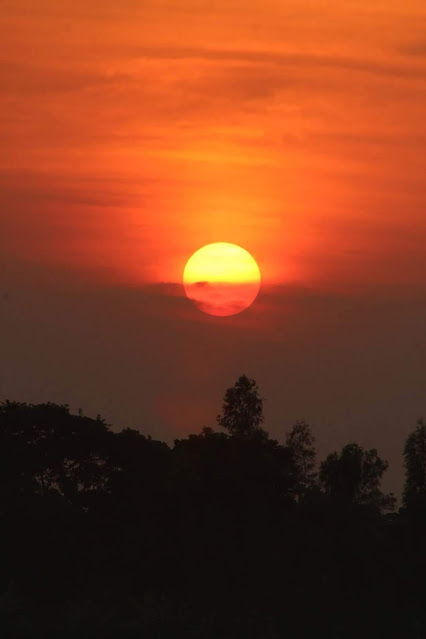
x=135 y=132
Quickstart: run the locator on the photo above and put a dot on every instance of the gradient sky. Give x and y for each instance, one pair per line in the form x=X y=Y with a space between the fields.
x=135 y=132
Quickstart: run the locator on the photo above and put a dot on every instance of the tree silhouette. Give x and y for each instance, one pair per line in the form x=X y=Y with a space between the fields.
x=301 y=443
x=111 y=533
x=354 y=477
x=49 y=450
x=242 y=409
x=414 y=495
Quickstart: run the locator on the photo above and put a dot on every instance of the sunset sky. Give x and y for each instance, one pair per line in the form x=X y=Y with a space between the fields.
x=135 y=132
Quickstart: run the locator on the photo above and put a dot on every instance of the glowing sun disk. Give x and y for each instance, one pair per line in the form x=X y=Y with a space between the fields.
x=222 y=279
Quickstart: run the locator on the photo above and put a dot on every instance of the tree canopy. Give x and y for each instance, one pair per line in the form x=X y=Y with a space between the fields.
x=353 y=477
x=414 y=495
x=231 y=533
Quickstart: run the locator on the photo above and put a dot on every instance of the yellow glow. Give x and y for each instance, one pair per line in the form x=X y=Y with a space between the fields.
x=221 y=262
x=222 y=279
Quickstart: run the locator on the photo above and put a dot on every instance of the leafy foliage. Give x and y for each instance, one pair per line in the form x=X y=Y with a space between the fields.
x=301 y=444
x=47 y=450
x=415 y=468
x=354 y=477
x=242 y=409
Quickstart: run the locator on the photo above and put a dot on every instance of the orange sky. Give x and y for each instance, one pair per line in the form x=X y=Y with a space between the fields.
x=135 y=132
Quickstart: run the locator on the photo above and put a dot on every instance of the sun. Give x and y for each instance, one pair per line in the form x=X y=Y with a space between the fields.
x=222 y=279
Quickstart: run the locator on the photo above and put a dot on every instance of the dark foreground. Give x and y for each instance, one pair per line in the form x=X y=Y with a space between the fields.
x=224 y=535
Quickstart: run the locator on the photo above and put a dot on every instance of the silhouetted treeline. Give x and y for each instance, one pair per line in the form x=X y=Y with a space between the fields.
x=227 y=534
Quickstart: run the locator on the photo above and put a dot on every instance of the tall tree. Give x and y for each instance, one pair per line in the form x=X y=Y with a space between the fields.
x=354 y=477
x=242 y=409
x=415 y=467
